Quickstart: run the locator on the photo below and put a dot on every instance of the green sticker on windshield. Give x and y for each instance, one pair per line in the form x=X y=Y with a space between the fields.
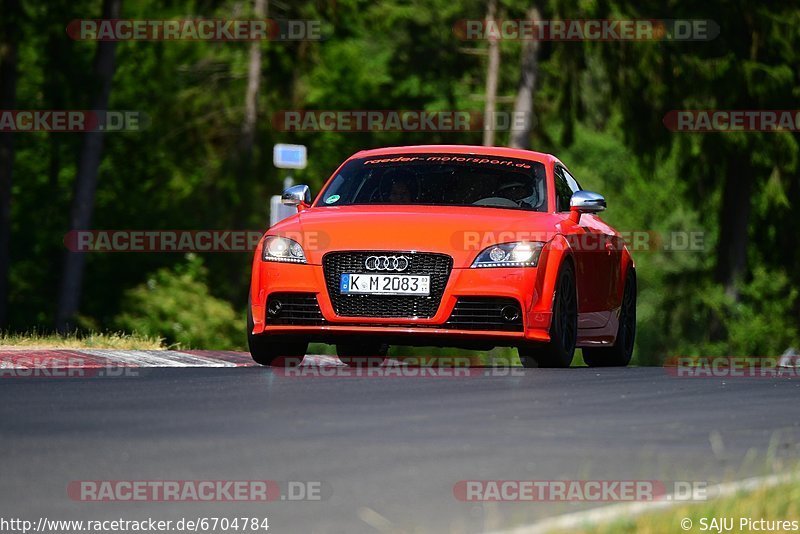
x=331 y=199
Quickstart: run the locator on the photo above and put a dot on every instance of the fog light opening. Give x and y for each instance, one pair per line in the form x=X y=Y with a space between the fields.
x=274 y=308
x=510 y=313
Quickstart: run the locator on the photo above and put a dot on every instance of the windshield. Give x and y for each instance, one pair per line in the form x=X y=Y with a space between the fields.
x=439 y=180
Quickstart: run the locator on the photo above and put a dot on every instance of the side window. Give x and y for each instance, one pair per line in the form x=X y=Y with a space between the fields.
x=573 y=184
x=563 y=191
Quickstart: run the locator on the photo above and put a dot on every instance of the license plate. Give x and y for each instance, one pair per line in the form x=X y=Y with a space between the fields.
x=385 y=284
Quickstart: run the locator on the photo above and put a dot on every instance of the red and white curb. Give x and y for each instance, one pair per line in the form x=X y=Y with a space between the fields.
x=100 y=358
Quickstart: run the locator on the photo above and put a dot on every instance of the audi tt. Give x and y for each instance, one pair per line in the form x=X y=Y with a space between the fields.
x=457 y=246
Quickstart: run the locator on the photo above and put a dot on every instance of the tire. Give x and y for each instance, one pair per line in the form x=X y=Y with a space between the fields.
x=362 y=353
x=274 y=350
x=618 y=355
x=560 y=351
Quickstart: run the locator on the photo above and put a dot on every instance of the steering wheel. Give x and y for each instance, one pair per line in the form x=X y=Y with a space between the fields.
x=500 y=202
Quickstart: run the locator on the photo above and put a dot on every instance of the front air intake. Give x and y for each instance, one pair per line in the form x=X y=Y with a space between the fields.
x=486 y=313
x=296 y=309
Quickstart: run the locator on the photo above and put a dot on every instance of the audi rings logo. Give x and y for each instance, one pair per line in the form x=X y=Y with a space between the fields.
x=386 y=263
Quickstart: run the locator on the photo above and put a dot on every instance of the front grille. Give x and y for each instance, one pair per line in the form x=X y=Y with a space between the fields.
x=484 y=313
x=293 y=309
x=437 y=266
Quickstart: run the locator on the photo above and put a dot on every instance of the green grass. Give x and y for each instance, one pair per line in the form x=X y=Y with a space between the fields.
x=77 y=340
x=777 y=503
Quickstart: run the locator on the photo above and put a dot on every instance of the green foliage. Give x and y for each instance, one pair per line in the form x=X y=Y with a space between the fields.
x=761 y=324
x=599 y=107
x=176 y=304
x=678 y=300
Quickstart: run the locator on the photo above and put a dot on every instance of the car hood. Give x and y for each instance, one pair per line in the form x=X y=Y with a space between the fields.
x=461 y=232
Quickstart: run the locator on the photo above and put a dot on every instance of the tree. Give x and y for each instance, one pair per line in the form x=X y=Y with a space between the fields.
x=86 y=179
x=492 y=74
x=523 y=103
x=253 y=84
x=12 y=13
x=748 y=66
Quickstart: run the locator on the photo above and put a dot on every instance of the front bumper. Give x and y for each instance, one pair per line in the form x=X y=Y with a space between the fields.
x=523 y=285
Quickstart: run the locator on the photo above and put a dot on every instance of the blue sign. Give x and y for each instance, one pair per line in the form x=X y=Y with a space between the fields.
x=289 y=156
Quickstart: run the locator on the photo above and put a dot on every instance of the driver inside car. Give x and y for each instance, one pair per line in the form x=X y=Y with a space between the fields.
x=402 y=188
x=518 y=192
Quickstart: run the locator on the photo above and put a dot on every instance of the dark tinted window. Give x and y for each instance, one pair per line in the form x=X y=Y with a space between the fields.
x=439 y=179
x=563 y=190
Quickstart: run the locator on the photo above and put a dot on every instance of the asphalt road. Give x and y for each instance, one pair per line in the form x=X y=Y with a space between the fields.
x=386 y=451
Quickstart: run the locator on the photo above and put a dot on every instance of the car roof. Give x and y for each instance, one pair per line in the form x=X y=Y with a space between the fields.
x=459 y=149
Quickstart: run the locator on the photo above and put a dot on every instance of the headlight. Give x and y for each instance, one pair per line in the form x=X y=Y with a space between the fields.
x=521 y=254
x=282 y=249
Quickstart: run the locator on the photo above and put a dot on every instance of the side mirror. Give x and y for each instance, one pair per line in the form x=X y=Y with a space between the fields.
x=297 y=195
x=585 y=202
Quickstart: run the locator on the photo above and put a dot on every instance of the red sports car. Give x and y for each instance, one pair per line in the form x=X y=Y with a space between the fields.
x=459 y=246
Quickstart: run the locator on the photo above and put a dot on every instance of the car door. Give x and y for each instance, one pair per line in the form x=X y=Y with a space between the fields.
x=609 y=260
x=594 y=256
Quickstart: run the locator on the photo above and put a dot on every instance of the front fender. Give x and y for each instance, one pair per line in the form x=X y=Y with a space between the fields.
x=627 y=263
x=555 y=253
